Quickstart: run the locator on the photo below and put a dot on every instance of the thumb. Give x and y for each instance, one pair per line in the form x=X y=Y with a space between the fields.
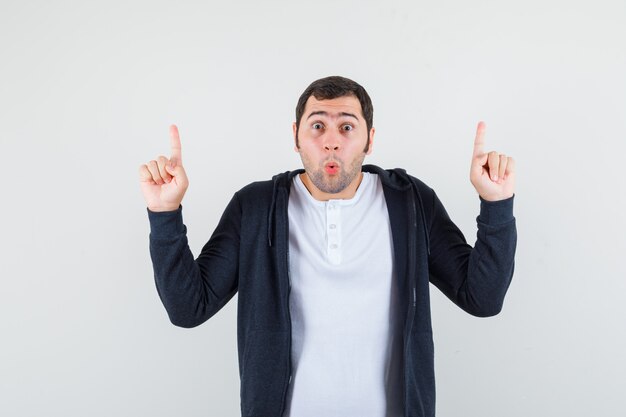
x=479 y=161
x=177 y=172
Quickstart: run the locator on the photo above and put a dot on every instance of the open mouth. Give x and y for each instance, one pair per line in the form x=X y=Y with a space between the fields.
x=331 y=168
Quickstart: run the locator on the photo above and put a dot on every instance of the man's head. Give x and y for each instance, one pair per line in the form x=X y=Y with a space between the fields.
x=333 y=87
x=333 y=133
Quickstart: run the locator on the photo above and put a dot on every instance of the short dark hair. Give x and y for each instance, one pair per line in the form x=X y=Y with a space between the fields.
x=333 y=87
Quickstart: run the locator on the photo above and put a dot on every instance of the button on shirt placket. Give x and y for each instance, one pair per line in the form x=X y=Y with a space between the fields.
x=333 y=232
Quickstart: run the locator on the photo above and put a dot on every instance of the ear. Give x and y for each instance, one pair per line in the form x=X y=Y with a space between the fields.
x=295 y=134
x=372 y=132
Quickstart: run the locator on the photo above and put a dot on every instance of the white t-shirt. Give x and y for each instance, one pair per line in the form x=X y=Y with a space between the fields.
x=346 y=340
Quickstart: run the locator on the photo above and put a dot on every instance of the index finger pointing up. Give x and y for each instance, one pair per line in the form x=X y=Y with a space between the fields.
x=176 y=155
x=479 y=142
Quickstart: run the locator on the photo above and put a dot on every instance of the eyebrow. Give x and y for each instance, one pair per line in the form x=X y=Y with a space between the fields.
x=323 y=113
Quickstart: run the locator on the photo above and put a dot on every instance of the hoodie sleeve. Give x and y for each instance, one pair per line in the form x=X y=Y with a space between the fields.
x=476 y=279
x=193 y=290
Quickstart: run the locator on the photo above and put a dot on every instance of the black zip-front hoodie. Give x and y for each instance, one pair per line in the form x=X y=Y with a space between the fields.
x=248 y=253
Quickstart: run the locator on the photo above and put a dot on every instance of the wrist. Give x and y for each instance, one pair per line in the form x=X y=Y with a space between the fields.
x=162 y=209
x=494 y=198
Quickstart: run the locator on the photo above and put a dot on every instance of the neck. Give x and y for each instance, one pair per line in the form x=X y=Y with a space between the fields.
x=345 y=194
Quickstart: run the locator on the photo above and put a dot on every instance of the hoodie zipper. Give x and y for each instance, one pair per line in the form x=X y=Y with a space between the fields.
x=286 y=389
x=412 y=296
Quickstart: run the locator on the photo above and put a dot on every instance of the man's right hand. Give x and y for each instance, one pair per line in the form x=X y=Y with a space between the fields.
x=164 y=181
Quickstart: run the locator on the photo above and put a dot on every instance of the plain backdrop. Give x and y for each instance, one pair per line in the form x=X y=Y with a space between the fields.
x=88 y=90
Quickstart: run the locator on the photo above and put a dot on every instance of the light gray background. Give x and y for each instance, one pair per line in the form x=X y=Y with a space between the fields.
x=88 y=89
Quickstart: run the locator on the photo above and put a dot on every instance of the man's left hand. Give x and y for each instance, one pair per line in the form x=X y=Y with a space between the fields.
x=491 y=173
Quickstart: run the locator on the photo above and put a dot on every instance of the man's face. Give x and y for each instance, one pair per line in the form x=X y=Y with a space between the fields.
x=331 y=139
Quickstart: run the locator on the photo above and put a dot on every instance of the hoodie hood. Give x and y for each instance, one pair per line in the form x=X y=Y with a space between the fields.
x=396 y=178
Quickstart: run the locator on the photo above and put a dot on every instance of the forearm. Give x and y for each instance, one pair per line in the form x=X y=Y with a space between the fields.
x=183 y=284
x=476 y=279
x=492 y=260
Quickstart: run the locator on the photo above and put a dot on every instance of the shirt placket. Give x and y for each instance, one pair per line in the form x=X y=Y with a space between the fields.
x=333 y=232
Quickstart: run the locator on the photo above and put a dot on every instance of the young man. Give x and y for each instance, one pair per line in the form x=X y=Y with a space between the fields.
x=332 y=264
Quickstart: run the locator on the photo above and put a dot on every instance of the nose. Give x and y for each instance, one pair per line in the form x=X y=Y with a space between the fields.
x=331 y=142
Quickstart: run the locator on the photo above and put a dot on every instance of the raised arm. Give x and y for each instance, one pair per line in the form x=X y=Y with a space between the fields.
x=192 y=290
x=477 y=278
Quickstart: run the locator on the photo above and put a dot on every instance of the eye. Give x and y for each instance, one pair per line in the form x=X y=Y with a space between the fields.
x=347 y=127
x=317 y=126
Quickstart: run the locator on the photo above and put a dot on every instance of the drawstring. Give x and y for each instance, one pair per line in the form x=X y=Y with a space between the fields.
x=270 y=219
x=283 y=178
x=421 y=203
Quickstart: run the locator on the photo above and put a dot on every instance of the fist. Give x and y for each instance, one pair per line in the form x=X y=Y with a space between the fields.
x=163 y=181
x=491 y=173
